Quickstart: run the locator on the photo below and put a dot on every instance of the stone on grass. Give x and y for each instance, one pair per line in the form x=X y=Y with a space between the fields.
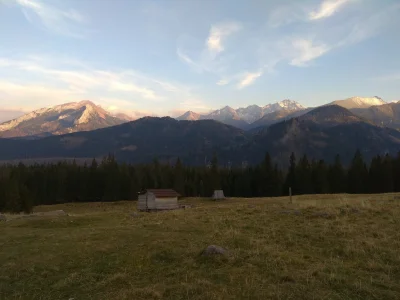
x=3 y=217
x=214 y=250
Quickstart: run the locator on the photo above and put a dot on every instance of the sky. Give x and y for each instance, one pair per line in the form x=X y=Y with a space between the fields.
x=169 y=56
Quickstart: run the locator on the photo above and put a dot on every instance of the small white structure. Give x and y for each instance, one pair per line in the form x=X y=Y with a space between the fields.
x=218 y=195
x=158 y=200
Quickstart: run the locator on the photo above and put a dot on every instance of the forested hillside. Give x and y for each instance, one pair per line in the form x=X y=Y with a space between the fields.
x=22 y=187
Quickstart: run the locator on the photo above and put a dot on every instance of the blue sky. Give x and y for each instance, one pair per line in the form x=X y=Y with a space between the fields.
x=166 y=57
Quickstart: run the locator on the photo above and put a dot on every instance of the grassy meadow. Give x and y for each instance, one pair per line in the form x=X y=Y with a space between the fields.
x=318 y=247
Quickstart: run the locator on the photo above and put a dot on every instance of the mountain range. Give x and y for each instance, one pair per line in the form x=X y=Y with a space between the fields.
x=84 y=130
x=255 y=116
x=86 y=116
x=321 y=133
x=245 y=116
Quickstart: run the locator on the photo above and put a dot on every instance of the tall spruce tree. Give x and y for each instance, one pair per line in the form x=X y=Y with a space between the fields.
x=375 y=176
x=303 y=183
x=387 y=174
x=290 y=181
x=396 y=173
x=357 y=175
x=179 y=180
x=337 y=177
x=215 y=181
x=320 y=177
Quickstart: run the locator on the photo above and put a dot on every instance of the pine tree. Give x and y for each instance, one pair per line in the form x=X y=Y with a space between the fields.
x=291 y=176
x=266 y=175
x=215 y=181
x=25 y=199
x=337 y=177
x=320 y=177
x=277 y=182
x=179 y=180
x=303 y=183
x=387 y=174
x=396 y=173
x=357 y=175
x=375 y=178
x=12 y=195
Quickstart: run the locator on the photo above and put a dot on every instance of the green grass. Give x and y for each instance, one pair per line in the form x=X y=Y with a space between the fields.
x=319 y=247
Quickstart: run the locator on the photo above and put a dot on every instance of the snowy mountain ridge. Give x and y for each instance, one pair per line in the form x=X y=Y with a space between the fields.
x=60 y=119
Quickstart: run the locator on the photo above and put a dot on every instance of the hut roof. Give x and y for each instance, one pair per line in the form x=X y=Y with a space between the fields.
x=163 y=193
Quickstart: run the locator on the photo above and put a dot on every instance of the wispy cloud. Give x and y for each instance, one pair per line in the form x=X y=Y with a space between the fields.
x=218 y=34
x=207 y=57
x=59 y=81
x=212 y=58
x=371 y=25
x=327 y=9
x=257 y=50
x=122 y=81
x=248 y=79
x=223 y=82
x=306 y=51
x=64 y=22
x=198 y=67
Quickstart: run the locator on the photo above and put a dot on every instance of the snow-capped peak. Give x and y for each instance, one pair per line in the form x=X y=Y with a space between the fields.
x=359 y=102
x=189 y=116
x=368 y=101
x=85 y=109
x=284 y=104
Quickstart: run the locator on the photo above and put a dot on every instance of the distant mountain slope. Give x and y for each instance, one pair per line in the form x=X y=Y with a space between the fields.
x=250 y=113
x=61 y=119
x=138 y=141
x=331 y=115
x=321 y=134
x=384 y=115
x=226 y=115
x=278 y=116
x=189 y=116
x=358 y=102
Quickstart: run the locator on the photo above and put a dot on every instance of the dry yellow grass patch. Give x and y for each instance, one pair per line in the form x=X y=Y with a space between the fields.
x=319 y=247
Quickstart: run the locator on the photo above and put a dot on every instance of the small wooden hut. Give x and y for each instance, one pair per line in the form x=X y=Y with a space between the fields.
x=154 y=199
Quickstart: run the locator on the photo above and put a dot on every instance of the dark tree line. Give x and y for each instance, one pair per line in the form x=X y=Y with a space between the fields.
x=22 y=187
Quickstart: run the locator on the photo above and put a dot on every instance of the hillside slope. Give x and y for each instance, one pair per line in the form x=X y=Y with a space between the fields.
x=138 y=141
x=384 y=115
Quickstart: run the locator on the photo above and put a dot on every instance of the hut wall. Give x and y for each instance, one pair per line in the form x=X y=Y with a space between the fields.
x=149 y=197
x=166 y=203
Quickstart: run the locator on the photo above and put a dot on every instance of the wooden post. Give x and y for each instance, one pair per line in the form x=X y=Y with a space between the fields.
x=290 y=195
